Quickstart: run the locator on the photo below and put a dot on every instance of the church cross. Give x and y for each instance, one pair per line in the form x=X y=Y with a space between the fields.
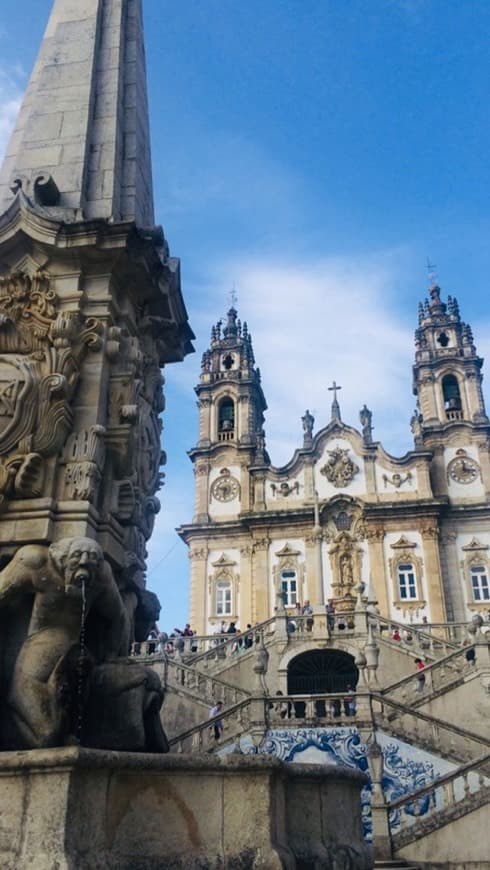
x=335 y=388
x=233 y=296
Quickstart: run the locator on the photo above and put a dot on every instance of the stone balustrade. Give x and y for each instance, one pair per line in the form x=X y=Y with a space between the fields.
x=438 y=675
x=427 y=732
x=210 y=689
x=414 y=815
x=423 y=640
x=279 y=711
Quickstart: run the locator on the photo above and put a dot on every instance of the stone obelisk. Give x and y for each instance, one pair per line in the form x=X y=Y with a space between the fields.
x=90 y=300
x=91 y=310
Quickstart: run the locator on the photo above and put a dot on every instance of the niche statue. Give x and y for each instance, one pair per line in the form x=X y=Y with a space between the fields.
x=64 y=636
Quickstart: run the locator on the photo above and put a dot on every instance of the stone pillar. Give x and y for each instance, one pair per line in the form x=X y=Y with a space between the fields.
x=379 y=809
x=453 y=591
x=433 y=576
x=198 y=556
x=261 y=581
x=370 y=471
x=201 y=471
x=484 y=459
x=247 y=608
x=375 y=536
x=204 y=404
x=245 y=487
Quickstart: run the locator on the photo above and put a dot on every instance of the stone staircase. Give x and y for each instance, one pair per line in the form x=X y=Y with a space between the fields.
x=397 y=709
x=450 y=797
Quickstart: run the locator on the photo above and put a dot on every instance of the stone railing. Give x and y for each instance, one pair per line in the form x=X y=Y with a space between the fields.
x=236 y=720
x=450 y=796
x=216 y=647
x=440 y=675
x=422 y=640
x=202 y=686
x=427 y=732
x=257 y=715
x=456 y=632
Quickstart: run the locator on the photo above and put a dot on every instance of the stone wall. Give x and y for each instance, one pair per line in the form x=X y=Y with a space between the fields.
x=75 y=808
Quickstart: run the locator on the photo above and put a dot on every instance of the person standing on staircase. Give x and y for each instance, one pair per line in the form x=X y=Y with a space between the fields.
x=217 y=724
x=420 y=676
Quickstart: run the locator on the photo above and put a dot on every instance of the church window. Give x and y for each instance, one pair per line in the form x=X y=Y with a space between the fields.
x=343 y=521
x=289 y=588
x=223 y=598
x=452 y=398
x=479 y=583
x=407 y=584
x=226 y=420
x=228 y=362
x=443 y=339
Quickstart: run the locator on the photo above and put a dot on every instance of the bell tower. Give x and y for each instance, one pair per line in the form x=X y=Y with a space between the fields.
x=231 y=406
x=447 y=378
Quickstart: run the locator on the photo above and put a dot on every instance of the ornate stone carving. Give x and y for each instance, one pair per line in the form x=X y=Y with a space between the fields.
x=376 y=533
x=28 y=308
x=261 y=544
x=397 y=480
x=85 y=454
x=41 y=350
x=429 y=532
x=284 y=489
x=198 y=554
x=339 y=468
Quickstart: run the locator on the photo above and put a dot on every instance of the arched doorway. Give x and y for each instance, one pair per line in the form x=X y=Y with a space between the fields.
x=321 y=671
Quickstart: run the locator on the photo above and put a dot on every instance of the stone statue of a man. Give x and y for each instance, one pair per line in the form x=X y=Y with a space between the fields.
x=68 y=592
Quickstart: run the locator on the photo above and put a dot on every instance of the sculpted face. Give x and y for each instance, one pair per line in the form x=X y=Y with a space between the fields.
x=82 y=564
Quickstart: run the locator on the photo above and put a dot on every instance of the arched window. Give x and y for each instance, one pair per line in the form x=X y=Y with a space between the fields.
x=289 y=587
x=452 y=398
x=223 y=598
x=479 y=583
x=226 y=420
x=407 y=582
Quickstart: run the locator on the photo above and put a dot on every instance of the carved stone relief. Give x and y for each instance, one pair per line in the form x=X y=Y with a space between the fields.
x=339 y=469
x=397 y=480
x=285 y=489
x=41 y=349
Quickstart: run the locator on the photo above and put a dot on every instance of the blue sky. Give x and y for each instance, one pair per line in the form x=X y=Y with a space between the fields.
x=314 y=153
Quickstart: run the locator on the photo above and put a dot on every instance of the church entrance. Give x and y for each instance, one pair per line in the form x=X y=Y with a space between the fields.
x=321 y=671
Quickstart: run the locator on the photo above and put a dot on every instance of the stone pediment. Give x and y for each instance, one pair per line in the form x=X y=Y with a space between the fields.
x=287 y=550
x=224 y=561
x=402 y=544
x=474 y=545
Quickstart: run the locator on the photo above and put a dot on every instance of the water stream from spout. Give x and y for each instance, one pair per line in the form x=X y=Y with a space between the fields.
x=81 y=666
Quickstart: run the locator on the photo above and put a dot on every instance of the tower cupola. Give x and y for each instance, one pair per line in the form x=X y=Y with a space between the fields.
x=447 y=374
x=231 y=400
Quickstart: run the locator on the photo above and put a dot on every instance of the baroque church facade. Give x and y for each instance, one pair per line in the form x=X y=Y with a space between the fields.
x=343 y=516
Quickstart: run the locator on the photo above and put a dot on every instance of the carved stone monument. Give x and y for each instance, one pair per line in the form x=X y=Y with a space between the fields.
x=90 y=312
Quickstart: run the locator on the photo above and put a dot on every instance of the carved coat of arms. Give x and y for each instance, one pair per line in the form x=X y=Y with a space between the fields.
x=339 y=468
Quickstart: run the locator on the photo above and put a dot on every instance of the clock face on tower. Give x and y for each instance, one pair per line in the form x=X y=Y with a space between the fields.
x=463 y=469
x=225 y=487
